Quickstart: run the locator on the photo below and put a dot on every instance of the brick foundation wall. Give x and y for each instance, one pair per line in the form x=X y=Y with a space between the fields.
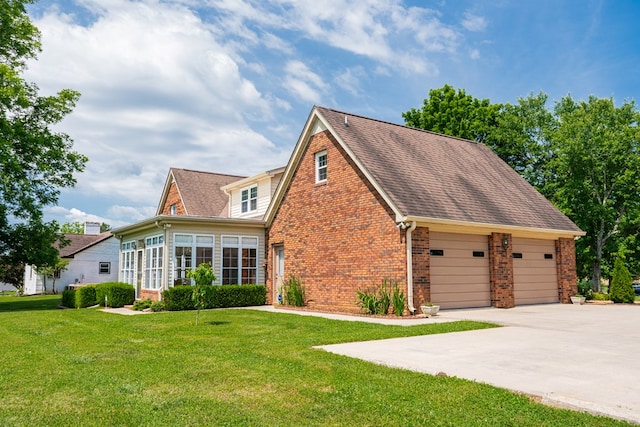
x=501 y=271
x=566 y=263
x=149 y=293
x=339 y=236
x=420 y=265
x=173 y=198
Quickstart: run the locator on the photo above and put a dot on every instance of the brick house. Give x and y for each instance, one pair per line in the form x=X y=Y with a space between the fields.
x=201 y=217
x=362 y=200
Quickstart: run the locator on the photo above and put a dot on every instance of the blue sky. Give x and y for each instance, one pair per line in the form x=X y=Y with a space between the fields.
x=226 y=85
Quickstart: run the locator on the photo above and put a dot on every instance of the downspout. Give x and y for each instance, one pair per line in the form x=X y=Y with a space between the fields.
x=412 y=309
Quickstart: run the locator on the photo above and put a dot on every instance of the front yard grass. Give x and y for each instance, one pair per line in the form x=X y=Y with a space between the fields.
x=238 y=367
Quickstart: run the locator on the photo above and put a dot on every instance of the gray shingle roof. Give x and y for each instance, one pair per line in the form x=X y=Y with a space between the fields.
x=201 y=193
x=80 y=242
x=435 y=176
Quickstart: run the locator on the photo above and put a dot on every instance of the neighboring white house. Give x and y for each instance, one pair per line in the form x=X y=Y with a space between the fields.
x=201 y=217
x=93 y=258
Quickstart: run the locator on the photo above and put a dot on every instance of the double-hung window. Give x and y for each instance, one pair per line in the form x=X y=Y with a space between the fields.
x=239 y=260
x=249 y=199
x=127 y=262
x=321 y=166
x=190 y=250
x=153 y=262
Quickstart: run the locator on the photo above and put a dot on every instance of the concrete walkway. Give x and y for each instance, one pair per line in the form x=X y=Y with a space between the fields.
x=581 y=357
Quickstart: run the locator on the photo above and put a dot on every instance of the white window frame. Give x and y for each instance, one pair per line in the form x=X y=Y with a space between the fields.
x=321 y=166
x=106 y=264
x=127 y=262
x=250 y=203
x=241 y=243
x=173 y=209
x=197 y=241
x=153 y=262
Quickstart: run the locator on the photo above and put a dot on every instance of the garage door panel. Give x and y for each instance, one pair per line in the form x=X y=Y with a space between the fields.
x=535 y=278
x=458 y=279
x=445 y=271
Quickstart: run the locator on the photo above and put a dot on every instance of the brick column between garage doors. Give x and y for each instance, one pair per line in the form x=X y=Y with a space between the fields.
x=420 y=265
x=566 y=263
x=501 y=271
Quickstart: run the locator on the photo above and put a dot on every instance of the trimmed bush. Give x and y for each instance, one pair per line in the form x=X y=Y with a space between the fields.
x=235 y=296
x=85 y=296
x=621 y=289
x=118 y=294
x=157 y=306
x=178 y=298
x=69 y=298
x=142 y=304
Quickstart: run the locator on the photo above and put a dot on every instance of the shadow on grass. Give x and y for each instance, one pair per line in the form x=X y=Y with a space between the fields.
x=29 y=303
x=217 y=323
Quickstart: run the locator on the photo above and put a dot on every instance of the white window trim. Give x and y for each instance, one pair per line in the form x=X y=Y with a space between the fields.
x=158 y=269
x=108 y=265
x=194 y=245
x=240 y=246
x=127 y=269
x=318 y=168
x=249 y=199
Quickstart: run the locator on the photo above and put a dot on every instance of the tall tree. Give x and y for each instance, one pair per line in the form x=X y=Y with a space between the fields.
x=597 y=168
x=35 y=162
x=454 y=112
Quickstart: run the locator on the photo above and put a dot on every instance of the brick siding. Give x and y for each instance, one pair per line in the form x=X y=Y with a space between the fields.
x=420 y=265
x=339 y=236
x=173 y=198
x=501 y=271
x=566 y=263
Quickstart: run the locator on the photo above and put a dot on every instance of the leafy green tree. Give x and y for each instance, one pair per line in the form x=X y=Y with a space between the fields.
x=77 y=227
x=35 y=162
x=454 y=112
x=13 y=274
x=51 y=271
x=596 y=170
x=621 y=289
x=203 y=275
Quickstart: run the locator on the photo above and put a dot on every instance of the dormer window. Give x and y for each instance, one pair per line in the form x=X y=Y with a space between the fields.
x=321 y=166
x=249 y=198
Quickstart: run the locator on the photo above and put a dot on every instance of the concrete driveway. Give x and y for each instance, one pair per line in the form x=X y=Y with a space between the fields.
x=582 y=357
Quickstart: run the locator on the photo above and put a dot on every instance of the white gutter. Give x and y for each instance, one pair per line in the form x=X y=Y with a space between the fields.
x=409 y=246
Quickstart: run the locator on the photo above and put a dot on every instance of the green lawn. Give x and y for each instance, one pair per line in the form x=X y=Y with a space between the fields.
x=238 y=367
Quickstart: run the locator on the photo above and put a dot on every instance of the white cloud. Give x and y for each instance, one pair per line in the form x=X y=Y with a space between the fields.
x=304 y=83
x=473 y=22
x=474 y=54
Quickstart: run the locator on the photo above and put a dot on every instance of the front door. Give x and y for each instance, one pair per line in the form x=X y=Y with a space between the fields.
x=278 y=274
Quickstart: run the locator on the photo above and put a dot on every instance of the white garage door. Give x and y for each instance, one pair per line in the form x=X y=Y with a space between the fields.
x=535 y=275
x=459 y=270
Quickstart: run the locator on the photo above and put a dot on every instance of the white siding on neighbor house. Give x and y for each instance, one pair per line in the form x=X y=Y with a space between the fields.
x=84 y=267
x=265 y=192
x=32 y=281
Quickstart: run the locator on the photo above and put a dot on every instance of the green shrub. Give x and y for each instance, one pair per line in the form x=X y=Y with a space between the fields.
x=378 y=301
x=157 y=306
x=178 y=298
x=294 y=293
x=85 y=296
x=599 y=296
x=118 y=294
x=235 y=296
x=585 y=289
x=142 y=304
x=398 y=300
x=69 y=298
x=621 y=289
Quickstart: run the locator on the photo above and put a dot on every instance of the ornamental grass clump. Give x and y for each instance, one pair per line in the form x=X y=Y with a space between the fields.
x=294 y=292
